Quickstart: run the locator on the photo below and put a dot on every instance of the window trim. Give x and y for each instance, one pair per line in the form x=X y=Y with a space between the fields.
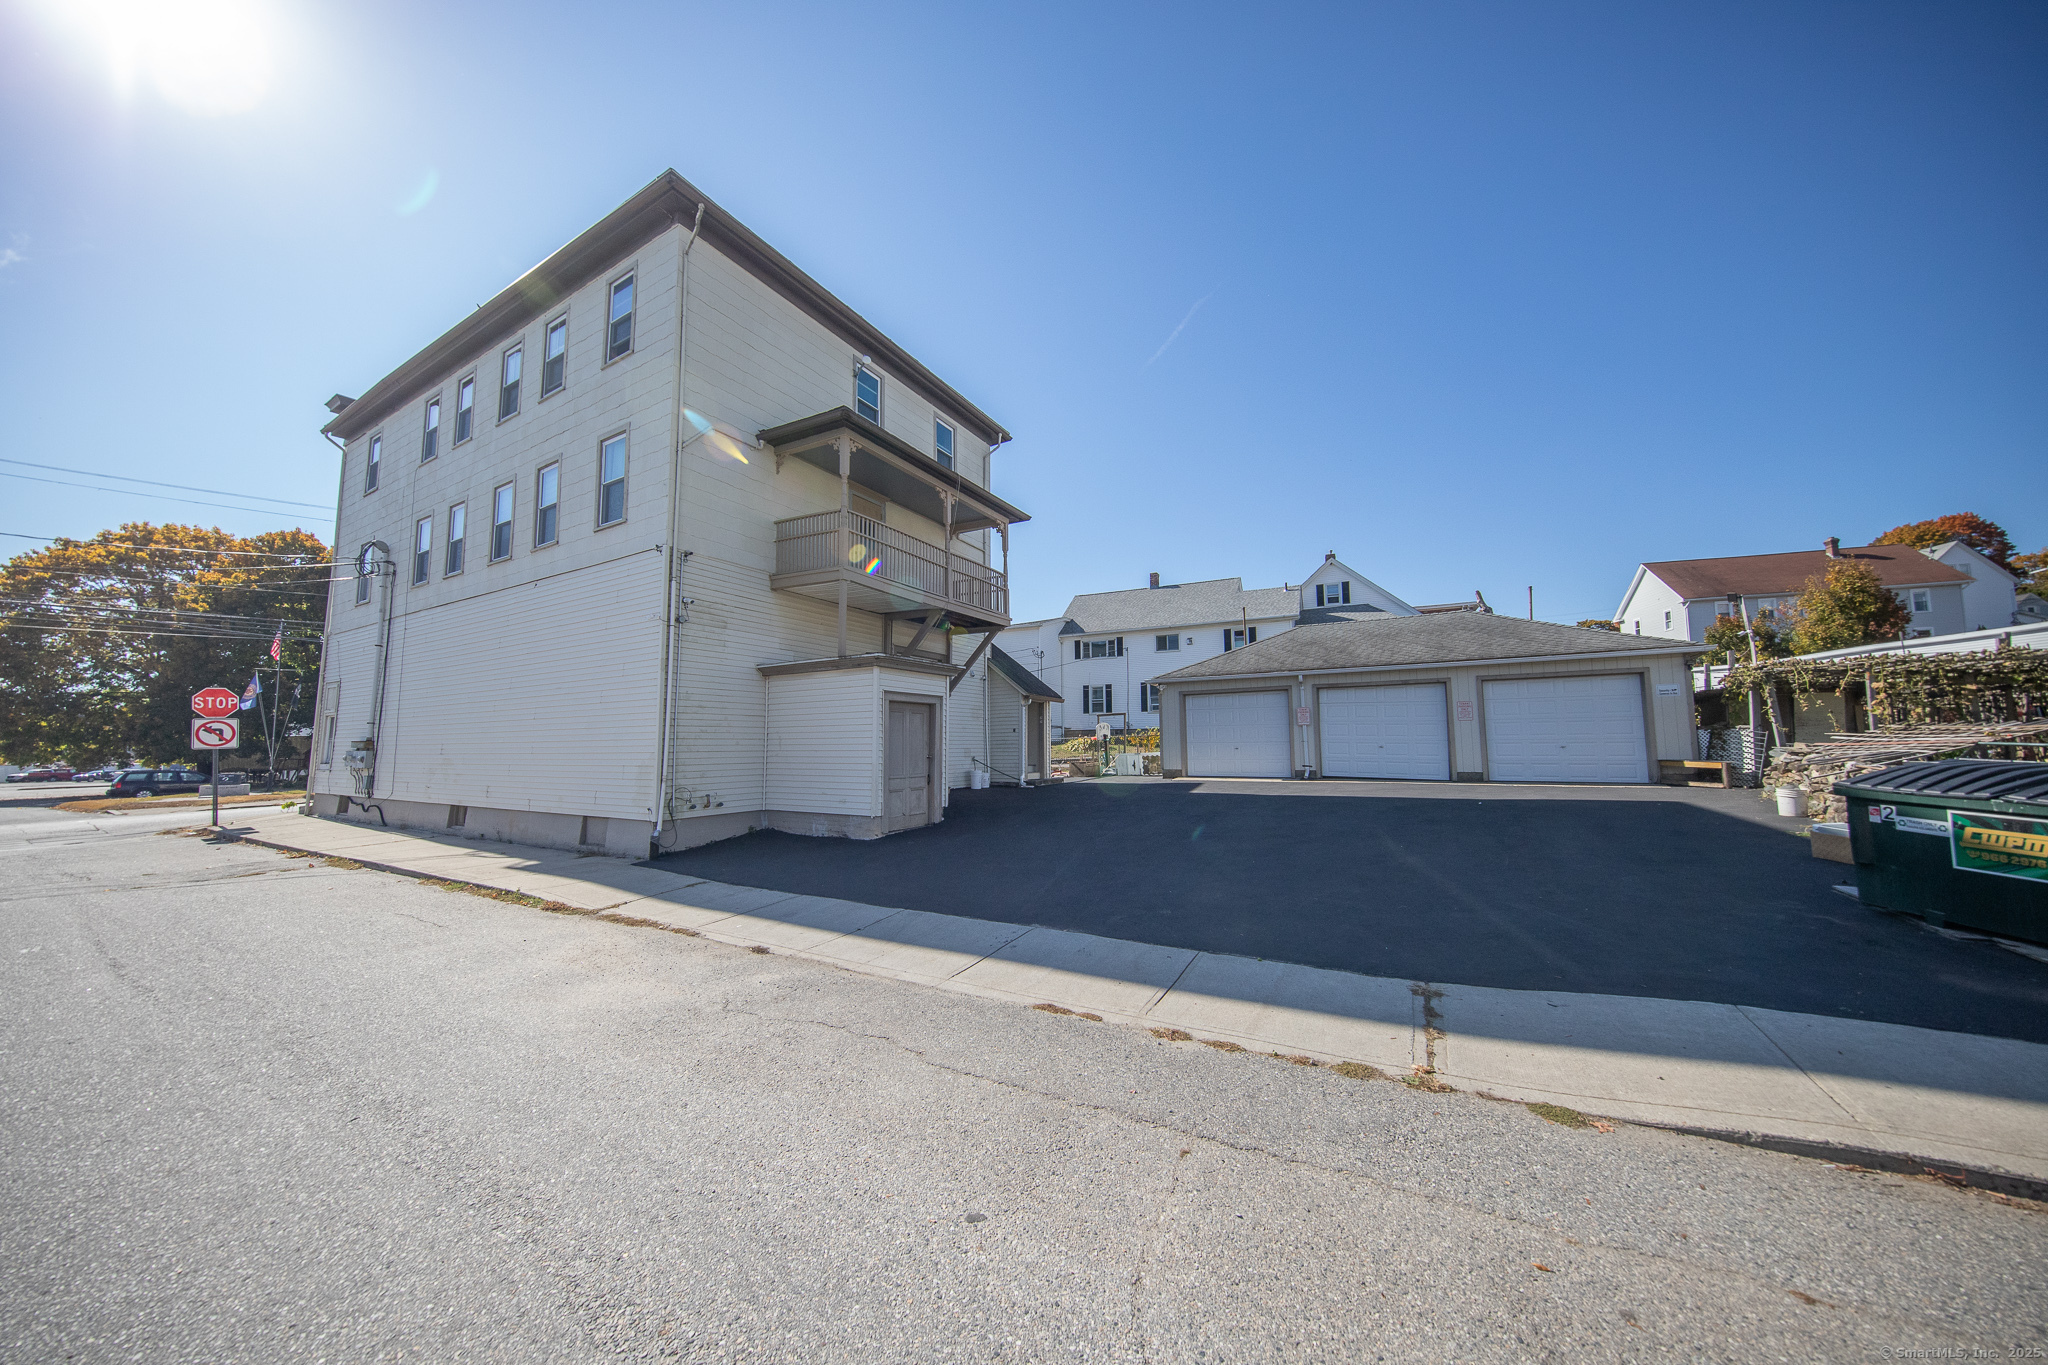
x=538 y=484
x=625 y=465
x=871 y=372
x=457 y=511
x=363 y=579
x=1160 y=643
x=560 y=320
x=948 y=455
x=468 y=381
x=423 y=570
x=510 y=523
x=631 y=272
x=373 y=464
x=1917 y=596
x=430 y=429
x=517 y=348
x=1148 y=699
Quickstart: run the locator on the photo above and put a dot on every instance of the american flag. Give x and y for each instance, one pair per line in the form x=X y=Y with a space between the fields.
x=277 y=645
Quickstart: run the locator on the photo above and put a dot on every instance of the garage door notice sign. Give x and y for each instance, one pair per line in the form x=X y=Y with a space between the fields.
x=215 y=734
x=2001 y=845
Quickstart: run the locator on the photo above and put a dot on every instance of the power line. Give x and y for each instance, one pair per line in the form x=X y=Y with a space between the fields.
x=199 y=583
x=186 y=487
x=192 y=502
x=132 y=634
x=298 y=560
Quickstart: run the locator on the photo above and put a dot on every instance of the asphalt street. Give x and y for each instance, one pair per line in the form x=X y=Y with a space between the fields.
x=1671 y=893
x=259 y=1108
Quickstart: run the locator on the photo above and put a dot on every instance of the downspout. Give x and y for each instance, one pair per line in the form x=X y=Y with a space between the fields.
x=387 y=570
x=326 y=629
x=675 y=560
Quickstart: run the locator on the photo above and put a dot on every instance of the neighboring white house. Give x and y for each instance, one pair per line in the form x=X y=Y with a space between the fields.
x=1678 y=599
x=1991 y=598
x=1103 y=654
x=661 y=544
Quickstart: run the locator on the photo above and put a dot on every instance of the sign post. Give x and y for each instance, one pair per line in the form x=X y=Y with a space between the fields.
x=214 y=728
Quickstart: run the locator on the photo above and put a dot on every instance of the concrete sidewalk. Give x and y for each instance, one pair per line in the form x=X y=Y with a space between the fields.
x=1975 y=1102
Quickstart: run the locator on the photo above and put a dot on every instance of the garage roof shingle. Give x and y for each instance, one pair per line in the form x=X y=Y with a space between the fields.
x=1441 y=638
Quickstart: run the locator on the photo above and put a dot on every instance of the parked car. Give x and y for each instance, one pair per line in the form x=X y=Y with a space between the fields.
x=41 y=775
x=156 y=782
x=98 y=775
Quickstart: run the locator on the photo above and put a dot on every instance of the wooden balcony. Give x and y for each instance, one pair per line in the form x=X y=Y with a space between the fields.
x=885 y=571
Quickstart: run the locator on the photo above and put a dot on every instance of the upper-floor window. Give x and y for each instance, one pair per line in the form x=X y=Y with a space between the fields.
x=458 y=516
x=465 y=410
x=1165 y=642
x=508 y=385
x=422 y=550
x=1923 y=600
x=1240 y=636
x=1099 y=649
x=611 y=481
x=375 y=467
x=942 y=442
x=867 y=394
x=618 y=337
x=554 y=357
x=362 y=579
x=501 y=522
x=430 y=444
x=1333 y=594
x=547 y=505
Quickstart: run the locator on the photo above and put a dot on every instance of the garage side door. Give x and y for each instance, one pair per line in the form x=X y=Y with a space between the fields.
x=1566 y=730
x=1239 y=734
x=1385 y=731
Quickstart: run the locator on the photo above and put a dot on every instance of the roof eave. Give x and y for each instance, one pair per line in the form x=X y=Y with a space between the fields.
x=1674 y=648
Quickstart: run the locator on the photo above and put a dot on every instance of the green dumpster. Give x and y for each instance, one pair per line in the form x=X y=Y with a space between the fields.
x=1962 y=841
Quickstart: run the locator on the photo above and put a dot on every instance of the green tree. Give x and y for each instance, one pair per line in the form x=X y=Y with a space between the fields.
x=1987 y=538
x=1597 y=624
x=1848 y=605
x=1727 y=637
x=103 y=641
x=2033 y=572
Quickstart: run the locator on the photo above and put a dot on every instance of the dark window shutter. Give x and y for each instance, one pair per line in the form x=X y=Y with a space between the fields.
x=1108 y=697
x=1077 y=649
x=1347 y=591
x=1251 y=635
x=1226 y=638
x=1319 y=594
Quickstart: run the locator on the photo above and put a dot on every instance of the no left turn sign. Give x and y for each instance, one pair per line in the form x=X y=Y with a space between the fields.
x=215 y=734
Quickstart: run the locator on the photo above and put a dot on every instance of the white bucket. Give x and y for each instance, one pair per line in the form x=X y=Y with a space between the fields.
x=1792 y=801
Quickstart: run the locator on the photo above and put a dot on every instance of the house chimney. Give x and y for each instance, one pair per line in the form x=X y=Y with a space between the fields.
x=1330 y=558
x=1155 y=580
x=1833 y=545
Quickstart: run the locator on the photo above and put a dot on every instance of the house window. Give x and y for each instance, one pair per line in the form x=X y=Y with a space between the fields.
x=1148 y=698
x=618 y=337
x=1667 y=620
x=547 y=505
x=430 y=444
x=458 y=516
x=362 y=579
x=867 y=394
x=422 y=550
x=554 y=357
x=508 y=385
x=327 y=748
x=1240 y=636
x=501 y=522
x=942 y=442
x=465 y=410
x=611 y=481
x=1097 y=699
x=1333 y=594
x=1099 y=649
x=1923 y=600
x=1163 y=642
x=376 y=465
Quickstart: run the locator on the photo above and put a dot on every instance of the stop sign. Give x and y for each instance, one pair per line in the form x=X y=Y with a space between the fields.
x=215 y=701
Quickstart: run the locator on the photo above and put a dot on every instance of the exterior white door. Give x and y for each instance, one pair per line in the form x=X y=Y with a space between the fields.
x=1398 y=731
x=907 y=766
x=1239 y=734
x=1566 y=730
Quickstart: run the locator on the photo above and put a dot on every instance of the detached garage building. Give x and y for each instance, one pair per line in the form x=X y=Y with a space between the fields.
x=1462 y=696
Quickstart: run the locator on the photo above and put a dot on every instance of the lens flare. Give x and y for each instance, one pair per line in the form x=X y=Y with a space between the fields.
x=713 y=437
x=420 y=197
x=856 y=554
x=873 y=564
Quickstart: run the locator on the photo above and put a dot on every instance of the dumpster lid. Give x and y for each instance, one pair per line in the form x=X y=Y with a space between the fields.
x=1978 y=778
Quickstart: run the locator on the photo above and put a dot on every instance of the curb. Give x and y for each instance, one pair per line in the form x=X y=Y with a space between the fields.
x=1871 y=1158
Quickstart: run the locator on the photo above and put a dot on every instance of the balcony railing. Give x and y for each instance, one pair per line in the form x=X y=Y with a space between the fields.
x=827 y=541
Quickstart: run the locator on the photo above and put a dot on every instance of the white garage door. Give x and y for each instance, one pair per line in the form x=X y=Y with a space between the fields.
x=1566 y=730
x=1385 y=731
x=1239 y=734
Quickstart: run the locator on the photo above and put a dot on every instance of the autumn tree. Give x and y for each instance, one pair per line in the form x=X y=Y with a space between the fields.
x=1987 y=538
x=1597 y=624
x=1727 y=637
x=103 y=641
x=1848 y=605
x=2033 y=572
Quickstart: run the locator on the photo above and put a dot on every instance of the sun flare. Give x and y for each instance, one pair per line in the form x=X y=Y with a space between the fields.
x=207 y=57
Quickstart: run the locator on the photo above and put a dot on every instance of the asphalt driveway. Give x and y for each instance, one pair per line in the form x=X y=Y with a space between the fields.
x=1673 y=893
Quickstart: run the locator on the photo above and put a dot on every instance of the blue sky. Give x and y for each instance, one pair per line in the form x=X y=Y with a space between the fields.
x=1476 y=295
